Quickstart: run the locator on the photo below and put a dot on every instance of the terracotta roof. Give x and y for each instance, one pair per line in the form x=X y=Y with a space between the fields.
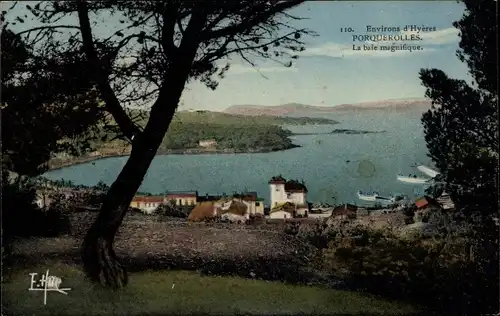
x=426 y=201
x=182 y=194
x=149 y=199
x=202 y=211
x=295 y=186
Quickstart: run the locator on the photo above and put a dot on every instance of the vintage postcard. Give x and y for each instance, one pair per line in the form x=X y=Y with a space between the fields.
x=249 y=157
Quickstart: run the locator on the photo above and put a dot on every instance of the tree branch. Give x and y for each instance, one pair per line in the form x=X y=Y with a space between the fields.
x=48 y=27
x=250 y=22
x=128 y=128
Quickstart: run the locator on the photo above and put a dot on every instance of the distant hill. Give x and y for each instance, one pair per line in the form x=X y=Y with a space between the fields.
x=285 y=109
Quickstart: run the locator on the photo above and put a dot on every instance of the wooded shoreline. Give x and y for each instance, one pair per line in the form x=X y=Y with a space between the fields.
x=59 y=163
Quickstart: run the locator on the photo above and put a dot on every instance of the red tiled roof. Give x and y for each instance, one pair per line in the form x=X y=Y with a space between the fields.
x=182 y=194
x=426 y=201
x=148 y=199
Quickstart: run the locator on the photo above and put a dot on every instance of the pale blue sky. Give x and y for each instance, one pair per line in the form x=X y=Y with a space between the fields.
x=330 y=73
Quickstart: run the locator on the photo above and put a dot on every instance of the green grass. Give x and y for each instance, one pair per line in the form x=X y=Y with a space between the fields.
x=153 y=292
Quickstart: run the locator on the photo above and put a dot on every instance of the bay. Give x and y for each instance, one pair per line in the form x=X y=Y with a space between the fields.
x=333 y=166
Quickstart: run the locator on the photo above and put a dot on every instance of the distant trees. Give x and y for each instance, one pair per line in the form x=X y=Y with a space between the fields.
x=461 y=128
x=228 y=136
x=161 y=46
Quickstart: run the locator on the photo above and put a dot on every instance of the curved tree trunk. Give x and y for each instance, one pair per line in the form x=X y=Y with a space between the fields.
x=99 y=259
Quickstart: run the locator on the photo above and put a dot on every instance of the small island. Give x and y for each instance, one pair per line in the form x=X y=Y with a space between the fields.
x=340 y=131
x=205 y=132
x=350 y=131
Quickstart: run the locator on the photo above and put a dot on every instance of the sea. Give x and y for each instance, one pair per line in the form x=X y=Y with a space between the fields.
x=334 y=167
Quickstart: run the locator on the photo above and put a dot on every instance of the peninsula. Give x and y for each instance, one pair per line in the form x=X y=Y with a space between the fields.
x=204 y=132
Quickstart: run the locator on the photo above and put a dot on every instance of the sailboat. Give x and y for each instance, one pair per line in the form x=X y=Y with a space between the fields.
x=374 y=197
x=428 y=171
x=413 y=179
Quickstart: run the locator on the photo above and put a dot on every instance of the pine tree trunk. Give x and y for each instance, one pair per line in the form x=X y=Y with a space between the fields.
x=99 y=259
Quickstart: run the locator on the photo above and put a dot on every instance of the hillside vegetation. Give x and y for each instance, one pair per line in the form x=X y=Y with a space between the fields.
x=232 y=133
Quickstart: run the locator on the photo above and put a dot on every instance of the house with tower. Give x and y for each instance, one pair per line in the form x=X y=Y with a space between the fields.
x=288 y=193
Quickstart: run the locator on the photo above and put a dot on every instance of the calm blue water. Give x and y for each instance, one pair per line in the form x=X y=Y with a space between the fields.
x=374 y=161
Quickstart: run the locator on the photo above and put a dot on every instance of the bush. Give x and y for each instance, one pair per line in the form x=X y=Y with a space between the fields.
x=456 y=270
x=21 y=216
x=169 y=210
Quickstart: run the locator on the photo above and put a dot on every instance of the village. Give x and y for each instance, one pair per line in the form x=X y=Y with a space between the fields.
x=288 y=202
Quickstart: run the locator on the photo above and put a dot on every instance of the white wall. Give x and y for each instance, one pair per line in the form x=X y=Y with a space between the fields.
x=250 y=206
x=280 y=215
x=148 y=207
x=277 y=194
x=297 y=198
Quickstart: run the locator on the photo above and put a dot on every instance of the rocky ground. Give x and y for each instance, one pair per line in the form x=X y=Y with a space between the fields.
x=264 y=252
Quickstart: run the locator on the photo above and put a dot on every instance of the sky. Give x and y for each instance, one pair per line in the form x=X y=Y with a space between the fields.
x=329 y=72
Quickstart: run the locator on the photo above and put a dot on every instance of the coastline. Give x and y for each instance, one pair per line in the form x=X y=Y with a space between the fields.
x=59 y=163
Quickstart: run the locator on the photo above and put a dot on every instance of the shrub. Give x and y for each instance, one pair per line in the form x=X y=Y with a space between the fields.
x=169 y=210
x=456 y=270
x=21 y=216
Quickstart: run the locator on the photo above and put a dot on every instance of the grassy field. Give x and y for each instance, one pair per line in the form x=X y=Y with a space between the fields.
x=182 y=293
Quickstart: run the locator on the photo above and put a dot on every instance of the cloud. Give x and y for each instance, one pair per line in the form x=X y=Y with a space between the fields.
x=237 y=69
x=440 y=37
x=434 y=38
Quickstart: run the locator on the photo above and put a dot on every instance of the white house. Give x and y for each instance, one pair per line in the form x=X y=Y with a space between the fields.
x=148 y=204
x=283 y=191
x=208 y=143
x=253 y=203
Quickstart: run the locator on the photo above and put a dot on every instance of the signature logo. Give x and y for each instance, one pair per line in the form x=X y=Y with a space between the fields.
x=47 y=283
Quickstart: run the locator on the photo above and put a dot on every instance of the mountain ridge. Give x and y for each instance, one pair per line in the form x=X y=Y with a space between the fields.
x=288 y=108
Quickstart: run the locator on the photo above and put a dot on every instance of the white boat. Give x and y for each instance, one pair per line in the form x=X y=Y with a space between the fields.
x=374 y=197
x=413 y=180
x=428 y=171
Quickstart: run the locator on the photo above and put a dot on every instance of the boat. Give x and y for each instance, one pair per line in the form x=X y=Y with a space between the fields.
x=428 y=171
x=374 y=197
x=384 y=199
x=413 y=179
